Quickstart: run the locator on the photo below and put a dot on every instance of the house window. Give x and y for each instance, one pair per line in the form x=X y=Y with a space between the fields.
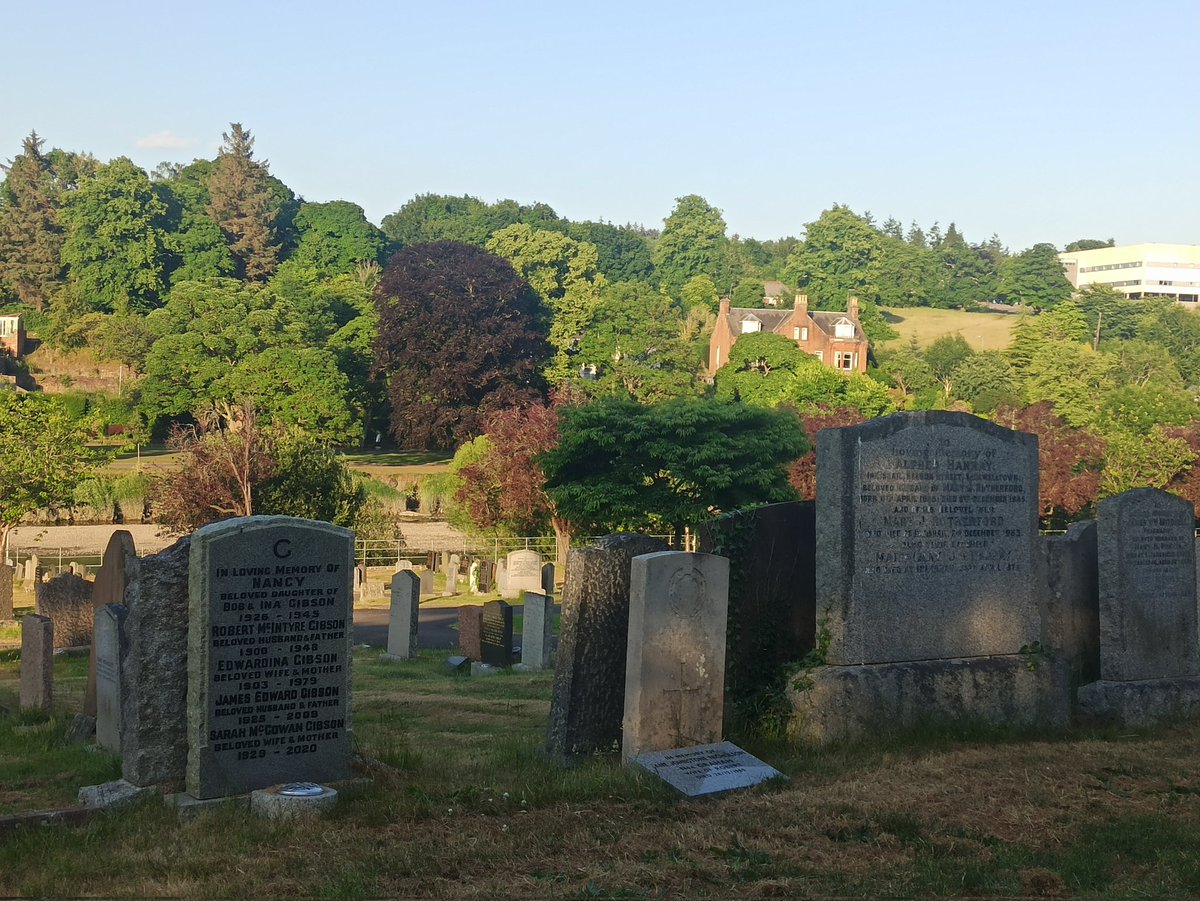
x=845 y=359
x=804 y=333
x=796 y=334
x=843 y=328
x=750 y=325
x=820 y=355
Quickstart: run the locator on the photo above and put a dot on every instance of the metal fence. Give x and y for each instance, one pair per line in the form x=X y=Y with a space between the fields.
x=387 y=553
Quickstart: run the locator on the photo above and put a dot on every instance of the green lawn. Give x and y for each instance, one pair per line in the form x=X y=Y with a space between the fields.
x=983 y=331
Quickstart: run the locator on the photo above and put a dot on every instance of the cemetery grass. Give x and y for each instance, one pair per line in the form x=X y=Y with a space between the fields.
x=463 y=804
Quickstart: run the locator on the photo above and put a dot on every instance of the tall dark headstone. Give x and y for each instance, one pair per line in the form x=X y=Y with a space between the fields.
x=470 y=632
x=37 y=662
x=6 y=592
x=269 y=642
x=772 y=591
x=588 y=700
x=1070 y=599
x=496 y=636
x=108 y=655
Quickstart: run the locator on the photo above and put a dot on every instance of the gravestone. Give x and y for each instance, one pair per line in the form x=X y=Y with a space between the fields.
x=37 y=662
x=452 y=575
x=109 y=588
x=675 y=664
x=588 y=699
x=487 y=577
x=78 y=569
x=1070 y=599
x=426 y=582
x=548 y=579
x=499 y=569
x=31 y=570
x=108 y=654
x=470 y=632
x=6 y=592
x=926 y=579
x=496 y=634
x=431 y=560
x=707 y=769
x=360 y=581
x=537 y=629
x=772 y=591
x=404 y=564
x=402 y=625
x=154 y=675
x=473 y=577
x=67 y=599
x=269 y=639
x=523 y=572
x=1149 y=646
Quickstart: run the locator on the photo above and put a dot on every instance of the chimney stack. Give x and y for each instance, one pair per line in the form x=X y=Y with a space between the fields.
x=852 y=308
x=802 y=304
x=724 y=306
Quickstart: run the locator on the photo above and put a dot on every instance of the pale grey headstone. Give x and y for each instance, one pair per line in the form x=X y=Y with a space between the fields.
x=402 y=625
x=31 y=569
x=269 y=643
x=155 y=671
x=926 y=538
x=426 y=582
x=404 y=564
x=707 y=769
x=523 y=572
x=537 y=630
x=110 y=647
x=501 y=570
x=452 y=575
x=675 y=666
x=1148 y=621
x=78 y=569
x=37 y=662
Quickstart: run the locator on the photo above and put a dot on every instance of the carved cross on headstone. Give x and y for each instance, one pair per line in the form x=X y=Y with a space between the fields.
x=679 y=691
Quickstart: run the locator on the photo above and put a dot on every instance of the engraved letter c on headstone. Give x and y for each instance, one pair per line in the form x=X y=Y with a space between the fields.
x=283 y=548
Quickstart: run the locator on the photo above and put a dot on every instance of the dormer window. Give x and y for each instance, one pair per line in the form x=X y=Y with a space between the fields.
x=843 y=328
x=751 y=324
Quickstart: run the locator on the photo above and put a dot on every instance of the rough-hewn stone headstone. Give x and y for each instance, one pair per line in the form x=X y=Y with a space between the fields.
x=67 y=599
x=109 y=588
x=155 y=671
x=523 y=572
x=1147 y=552
x=537 y=629
x=269 y=643
x=470 y=631
x=772 y=590
x=926 y=538
x=402 y=624
x=675 y=668
x=1070 y=599
x=37 y=662
x=108 y=655
x=588 y=699
x=496 y=634
x=6 y=592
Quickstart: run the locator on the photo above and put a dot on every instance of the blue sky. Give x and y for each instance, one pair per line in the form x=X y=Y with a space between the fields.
x=1037 y=121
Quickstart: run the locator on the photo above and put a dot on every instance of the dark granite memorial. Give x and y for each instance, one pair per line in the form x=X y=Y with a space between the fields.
x=470 y=632
x=496 y=635
x=269 y=643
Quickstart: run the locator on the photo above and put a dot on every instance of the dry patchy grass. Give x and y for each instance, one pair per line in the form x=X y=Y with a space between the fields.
x=467 y=807
x=983 y=331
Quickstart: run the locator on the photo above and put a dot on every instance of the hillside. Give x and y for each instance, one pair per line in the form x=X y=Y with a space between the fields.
x=983 y=331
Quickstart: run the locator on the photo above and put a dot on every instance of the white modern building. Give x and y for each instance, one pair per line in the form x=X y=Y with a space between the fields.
x=1139 y=270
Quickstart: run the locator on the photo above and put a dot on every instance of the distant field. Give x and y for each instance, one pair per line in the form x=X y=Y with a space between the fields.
x=983 y=331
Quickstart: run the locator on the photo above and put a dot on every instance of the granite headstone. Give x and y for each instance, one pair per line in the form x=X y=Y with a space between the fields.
x=6 y=592
x=402 y=624
x=37 y=662
x=269 y=643
x=496 y=635
x=109 y=588
x=522 y=572
x=67 y=599
x=109 y=654
x=470 y=632
x=537 y=628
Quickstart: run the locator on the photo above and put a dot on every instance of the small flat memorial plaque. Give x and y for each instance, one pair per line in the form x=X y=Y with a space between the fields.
x=707 y=769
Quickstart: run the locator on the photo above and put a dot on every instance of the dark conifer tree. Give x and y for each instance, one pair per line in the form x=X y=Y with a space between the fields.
x=242 y=203
x=30 y=235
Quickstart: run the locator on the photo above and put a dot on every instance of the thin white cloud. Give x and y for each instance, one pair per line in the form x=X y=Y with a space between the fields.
x=164 y=140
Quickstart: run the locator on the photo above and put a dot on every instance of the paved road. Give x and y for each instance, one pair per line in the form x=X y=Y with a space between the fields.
x=433 y=627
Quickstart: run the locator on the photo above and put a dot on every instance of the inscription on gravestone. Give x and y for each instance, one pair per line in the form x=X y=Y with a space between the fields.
x=269 y=654
x=496 y=635
x=109 y=657
x=926 y=528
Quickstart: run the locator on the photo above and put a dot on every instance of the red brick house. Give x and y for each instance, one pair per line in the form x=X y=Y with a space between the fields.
x=836 y=339
x=12 y=335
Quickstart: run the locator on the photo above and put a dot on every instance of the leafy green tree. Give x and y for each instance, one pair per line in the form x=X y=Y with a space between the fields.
x=836 y=259
x=45 y=456
x=902 y=274
x=563 y=273
x=1109 y=313
x=761 y=370
x=1176 y=331
x=440 y=217
x=817 y=387
x=748 y=293
x=945 y=353
x=1149 y=460
x=460 y=335
x=966 y=276
x=693 y=243
x=635 y=342
x=1088 y=244
x=1071 y=377
x=623 y=251
x=620 y=465
x=311 y=481
x=30 y=233
x=1034 y=278
x=700 y=290
x=245 y=205
x=908 y=370
x=1033 y=334
x=985 y=381
x=196 y=248
x=115 y=246
x=1137 y=409
x=334 y=237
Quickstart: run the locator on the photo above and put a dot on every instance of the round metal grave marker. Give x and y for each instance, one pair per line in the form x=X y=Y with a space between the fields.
x=301 y=789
